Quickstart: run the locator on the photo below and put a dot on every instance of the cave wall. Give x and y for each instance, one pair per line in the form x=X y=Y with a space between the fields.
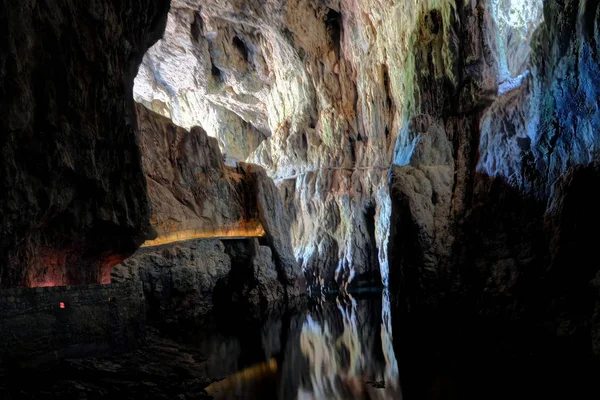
x=325 y=82
x=74 y=197
x=187 y=271
x=489 y=210
x=189 y=186
x=192 y=190
x=92 y=319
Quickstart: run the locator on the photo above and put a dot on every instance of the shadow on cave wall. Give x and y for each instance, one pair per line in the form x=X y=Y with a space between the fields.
x=518 y=311
x=516 y=297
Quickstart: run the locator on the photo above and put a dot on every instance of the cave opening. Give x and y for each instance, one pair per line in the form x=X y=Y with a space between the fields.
x=515 y=23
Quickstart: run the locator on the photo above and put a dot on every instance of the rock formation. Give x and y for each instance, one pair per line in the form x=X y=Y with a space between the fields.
x=197 y=200
x=189 y=186
x=443 y=148
x=485 y=110
x=490 y=210
x=317 y=79
x=73 y=198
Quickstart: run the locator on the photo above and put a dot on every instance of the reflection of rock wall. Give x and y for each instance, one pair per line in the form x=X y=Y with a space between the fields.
x=347 y=353
x=73 y=197
x=331 y=84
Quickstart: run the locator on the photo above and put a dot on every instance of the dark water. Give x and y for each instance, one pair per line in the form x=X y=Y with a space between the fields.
x=343 y=348
x=340 y=348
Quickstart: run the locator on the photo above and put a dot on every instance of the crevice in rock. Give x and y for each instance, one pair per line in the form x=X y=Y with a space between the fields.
x=241 y=47
x=197 y=26
x=333 y=24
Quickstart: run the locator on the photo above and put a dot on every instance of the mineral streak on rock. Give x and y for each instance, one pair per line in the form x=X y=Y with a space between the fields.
x=74 y=196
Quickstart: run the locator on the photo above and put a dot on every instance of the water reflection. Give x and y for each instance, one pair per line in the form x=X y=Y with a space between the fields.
x=340 y=348
x=348 y=362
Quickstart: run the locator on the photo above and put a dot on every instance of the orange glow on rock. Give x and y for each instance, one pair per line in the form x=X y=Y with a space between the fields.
x=244 y=230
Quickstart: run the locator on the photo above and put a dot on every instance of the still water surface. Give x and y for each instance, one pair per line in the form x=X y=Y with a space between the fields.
x=339 y=348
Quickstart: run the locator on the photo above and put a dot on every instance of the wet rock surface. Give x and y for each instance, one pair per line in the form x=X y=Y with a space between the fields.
x=73 y=198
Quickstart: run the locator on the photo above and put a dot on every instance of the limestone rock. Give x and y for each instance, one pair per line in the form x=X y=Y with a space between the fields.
x=178 y=280
x=192 y=190
x=273 y=218
x=188 y=183
x=195 y=195
x=489 y=184
x=325 y=82
x=73 y=198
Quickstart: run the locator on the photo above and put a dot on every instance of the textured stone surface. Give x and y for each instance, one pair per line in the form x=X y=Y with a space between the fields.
x=186 y=281
x=93 y=319
x=163 y=369
x=178 y=280
x=484 y=214
x=191 y=188
x=324 y=81
x=73 y=195
x=179 y=80
x=189 y=185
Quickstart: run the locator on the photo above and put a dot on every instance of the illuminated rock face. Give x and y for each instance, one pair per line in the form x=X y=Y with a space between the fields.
x=196 y=200
x=186 y=281
x=73 y=196
x=195 y=195
x=452 y=94
x=179 y=280
x=189 y=185
x=323 y=81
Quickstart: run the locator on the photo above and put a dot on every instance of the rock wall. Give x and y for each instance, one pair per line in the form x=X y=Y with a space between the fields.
x=488 y=209
x=188 y=183
x=188 y=282
x=73 y=198
x=197 y=199
x=178 y=280
x=192 y=190
x=43 y=324
x=341 y=90
x=323 y=82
